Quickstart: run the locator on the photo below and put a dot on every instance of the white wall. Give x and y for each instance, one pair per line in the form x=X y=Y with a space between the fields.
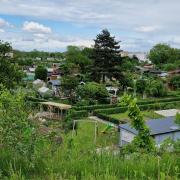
x=125 y=137
x=174 y=136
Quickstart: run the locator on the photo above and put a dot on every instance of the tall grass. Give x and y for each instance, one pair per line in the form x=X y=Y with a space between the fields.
x=74 y=162
x=78 y=158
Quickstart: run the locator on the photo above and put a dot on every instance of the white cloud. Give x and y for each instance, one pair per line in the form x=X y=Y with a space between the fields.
x=35 y=27
x=3 y=23
x=2 y=30
x=135 y=22
x=147 y=29
x=38 y=35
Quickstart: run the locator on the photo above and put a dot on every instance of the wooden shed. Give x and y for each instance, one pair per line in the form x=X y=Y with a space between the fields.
x=54 y=110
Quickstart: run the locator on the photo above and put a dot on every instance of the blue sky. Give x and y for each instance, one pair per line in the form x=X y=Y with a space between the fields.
x=52 y=25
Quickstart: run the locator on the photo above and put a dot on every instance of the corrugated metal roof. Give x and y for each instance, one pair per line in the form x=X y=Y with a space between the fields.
x=157 y=126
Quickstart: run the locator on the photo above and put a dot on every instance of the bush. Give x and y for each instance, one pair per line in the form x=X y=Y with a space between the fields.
x=141 y=85
x=92 y=91
x=156 y=88
x=175 y=82
x=41 y=73
x=79 y=114
x=169 y=67
x=17 y=133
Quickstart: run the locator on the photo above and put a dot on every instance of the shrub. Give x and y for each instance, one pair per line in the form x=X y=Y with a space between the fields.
x=17 y=133
x=175 y=82
x=41 y=73
x=79 y=114
x=141 y=85
x=156 y=88
x=92 y=90
x=177 y=120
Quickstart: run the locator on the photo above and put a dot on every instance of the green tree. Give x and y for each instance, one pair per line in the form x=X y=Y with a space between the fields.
x=41 y=73
x=162 y=54
x=106 y=56
x=69 y=84
x=156 y=88
x=125 y=80
x=177 y=119
x=143 y=141
x=5 y=48
x=141 y=85
x=175 y=82
x=17 y=133
x=92 y=91
x=10 y=73
x=74 y=55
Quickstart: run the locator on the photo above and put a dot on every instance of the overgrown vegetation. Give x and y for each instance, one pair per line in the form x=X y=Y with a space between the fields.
x=32 y=147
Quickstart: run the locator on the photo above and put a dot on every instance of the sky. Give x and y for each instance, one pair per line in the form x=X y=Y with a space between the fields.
x=52 y=25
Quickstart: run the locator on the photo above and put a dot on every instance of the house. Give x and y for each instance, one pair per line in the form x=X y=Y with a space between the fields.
x=124 y=54
x=175 y=72
x=112 y=90
x=32 y=69
x=9 y=55
x=160 y=129
x=55 y=85
x=148 y=66
x=142 y=56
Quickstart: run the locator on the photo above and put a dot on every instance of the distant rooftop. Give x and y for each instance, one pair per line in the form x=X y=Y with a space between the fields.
x=157 y=126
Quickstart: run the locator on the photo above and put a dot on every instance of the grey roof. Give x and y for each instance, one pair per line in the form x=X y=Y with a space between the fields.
x=157 y=126
x=55 y=82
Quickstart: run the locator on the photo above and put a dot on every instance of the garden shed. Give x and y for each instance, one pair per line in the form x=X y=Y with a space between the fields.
x=160 y=130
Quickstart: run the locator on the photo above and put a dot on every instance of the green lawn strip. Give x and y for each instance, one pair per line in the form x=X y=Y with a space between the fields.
x=151 y=115
x=146 y=114
x=86 y=134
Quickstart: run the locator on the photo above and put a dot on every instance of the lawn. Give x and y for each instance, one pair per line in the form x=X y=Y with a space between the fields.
x=86 y=135
x=146 y=114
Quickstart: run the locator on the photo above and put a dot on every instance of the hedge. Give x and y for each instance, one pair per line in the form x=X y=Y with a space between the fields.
x=79 y=114
x=158 y=101
x=110 y=119
x=108 y=106
x=104 y=113
x=35 y=100
x=154 y=106
x=157 y=106
x=94 y=107
x=111 y=110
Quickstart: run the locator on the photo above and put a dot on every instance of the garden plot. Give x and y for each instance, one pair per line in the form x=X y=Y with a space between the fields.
x=168 y=112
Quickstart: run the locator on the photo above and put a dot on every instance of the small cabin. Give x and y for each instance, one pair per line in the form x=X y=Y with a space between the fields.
x=160 y=129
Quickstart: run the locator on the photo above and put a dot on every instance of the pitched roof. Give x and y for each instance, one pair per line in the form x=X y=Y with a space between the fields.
x=157 y=126
x=57 y=105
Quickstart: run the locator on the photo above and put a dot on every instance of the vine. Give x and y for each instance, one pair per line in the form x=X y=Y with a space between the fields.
x=143 y=140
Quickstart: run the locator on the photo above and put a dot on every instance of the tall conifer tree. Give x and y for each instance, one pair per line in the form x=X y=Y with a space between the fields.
x=106 y=56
